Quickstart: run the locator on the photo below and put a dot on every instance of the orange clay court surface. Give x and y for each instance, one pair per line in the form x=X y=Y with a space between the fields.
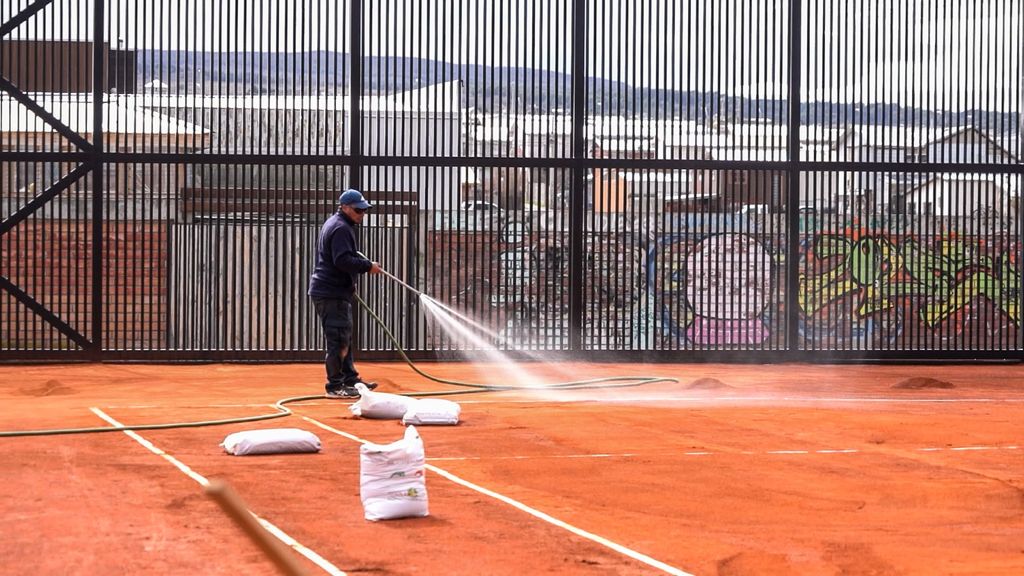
x=737 y=469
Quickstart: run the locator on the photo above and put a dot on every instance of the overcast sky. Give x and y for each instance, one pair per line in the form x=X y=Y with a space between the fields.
x=958 y=56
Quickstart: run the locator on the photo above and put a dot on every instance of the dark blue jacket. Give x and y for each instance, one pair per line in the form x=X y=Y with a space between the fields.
x=337 y=264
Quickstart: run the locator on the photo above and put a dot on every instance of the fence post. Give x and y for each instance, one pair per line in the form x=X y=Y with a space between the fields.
x=98 y=165
x=577 y=202
x=793 y=178
x=355 y=88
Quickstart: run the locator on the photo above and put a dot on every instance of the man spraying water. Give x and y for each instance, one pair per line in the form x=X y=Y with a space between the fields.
x=332 y=287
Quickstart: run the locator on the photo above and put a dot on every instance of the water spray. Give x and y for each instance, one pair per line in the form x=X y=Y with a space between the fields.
x=474 y=387
x=420 y=294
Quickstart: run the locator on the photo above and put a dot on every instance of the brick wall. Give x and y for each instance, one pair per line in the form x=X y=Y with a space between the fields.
x=51 y=261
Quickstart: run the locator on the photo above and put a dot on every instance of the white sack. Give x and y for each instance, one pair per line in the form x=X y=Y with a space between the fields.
x=391 y=478
x=270 y=441
x=380 y=404
x=432 y=411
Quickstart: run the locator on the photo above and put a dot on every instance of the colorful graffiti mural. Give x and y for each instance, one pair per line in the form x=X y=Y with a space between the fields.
x=716 y=291
x=909 y=293
x=690 y=289
x=728 y=286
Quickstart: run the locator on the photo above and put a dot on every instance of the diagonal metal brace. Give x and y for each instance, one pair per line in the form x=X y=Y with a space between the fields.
x=62 y=128
x=41 y=311
x=44 y=197
x=22 y=16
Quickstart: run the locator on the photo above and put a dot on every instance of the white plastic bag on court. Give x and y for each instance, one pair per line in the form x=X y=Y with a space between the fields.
x=380 y=404
x=432 y=411
x=391 y=478
x=270 y=441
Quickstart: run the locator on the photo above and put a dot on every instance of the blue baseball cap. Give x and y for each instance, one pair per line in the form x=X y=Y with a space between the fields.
x=354 y=198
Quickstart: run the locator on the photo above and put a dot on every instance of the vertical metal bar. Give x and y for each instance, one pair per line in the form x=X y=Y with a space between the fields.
x=248 y=111
x=1017 y=16
x=98 y=69
x=577 y=202
x=331 y=92
x=355 y=116
x=793 y=193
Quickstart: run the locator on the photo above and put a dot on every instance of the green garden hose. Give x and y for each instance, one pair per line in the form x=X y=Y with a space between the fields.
x=279 y=406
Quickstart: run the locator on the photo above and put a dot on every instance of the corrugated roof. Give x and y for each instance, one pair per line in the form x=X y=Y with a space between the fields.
x=662 y=177
x=444 y=98
x=905 y=136
x=638 y=144
x=121 y=116
x=1003 y=181
x=546 y=124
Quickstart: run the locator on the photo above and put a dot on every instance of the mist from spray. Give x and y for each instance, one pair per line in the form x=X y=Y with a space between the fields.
x=485 y=339
x=460 y=327
x=473 y=335
x=437 y=310
x=706 y=391
x=478 y=337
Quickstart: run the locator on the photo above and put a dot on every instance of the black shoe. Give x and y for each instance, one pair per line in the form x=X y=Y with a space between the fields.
x=369 y=385
x=343 y=392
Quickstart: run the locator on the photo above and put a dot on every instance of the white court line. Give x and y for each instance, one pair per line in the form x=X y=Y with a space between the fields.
x=740 y=399
x=531 y=511
x=564 y=525
x=639 y=400
x=565 y=456
x=202 y=481
x=703 y=453
x=202 y=406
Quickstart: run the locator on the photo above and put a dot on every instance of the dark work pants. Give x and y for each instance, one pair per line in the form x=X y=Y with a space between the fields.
x=336 y=319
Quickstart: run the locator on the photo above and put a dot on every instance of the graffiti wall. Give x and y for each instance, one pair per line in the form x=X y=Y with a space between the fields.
x=718 y=291
x=908 y=293
x=723 y=287
x=642 y=289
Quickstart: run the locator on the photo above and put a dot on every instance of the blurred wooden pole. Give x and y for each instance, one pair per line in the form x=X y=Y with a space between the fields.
x=231 y=503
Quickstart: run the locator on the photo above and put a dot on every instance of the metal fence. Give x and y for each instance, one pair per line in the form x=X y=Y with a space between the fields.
x=660 y=180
